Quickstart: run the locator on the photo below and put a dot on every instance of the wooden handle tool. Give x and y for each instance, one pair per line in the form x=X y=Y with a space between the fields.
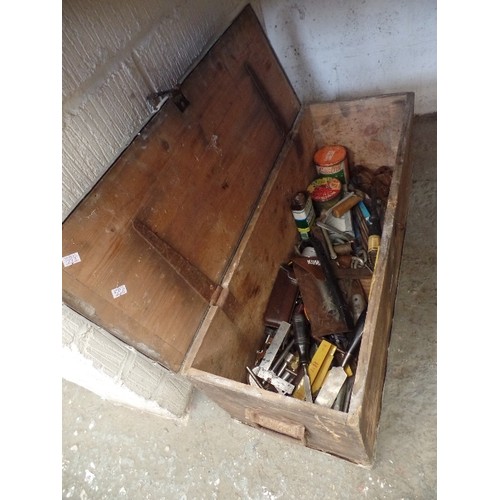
x=344 y=205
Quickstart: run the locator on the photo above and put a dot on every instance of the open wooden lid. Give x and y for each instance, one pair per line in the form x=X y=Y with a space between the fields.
x=157 y=233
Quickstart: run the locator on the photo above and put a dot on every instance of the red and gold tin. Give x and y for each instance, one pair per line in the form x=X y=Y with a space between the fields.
x=331 y=161
x=325 y=192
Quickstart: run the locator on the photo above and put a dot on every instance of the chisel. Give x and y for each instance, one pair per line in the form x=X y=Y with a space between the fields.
x=303 y=342
x=337 y=375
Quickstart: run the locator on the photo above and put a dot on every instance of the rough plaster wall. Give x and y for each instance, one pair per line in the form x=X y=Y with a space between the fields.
x=350 y=48
x=96 y=360
x=115 y=54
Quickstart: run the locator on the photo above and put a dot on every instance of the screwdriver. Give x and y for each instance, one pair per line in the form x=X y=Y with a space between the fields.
x=374 y=231
x=302 y=340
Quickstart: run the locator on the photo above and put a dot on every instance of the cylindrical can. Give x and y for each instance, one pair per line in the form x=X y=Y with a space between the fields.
x=332 y=161
x=303 y=213
x=324 y=192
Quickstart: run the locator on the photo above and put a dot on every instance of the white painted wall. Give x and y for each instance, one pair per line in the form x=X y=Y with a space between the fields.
x=338 y=49
x=116 y=53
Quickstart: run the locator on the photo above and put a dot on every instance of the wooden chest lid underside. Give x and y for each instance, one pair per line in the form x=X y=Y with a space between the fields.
x=164 y=222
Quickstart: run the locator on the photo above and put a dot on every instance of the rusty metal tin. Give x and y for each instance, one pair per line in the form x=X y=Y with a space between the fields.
x=332 y=161
x=325 y=192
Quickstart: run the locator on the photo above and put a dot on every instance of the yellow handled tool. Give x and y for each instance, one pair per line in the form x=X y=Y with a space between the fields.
x=337 y=375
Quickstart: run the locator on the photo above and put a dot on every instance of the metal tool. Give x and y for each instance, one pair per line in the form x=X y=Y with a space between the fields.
x=278 y=364
x=303 y=342
x=374 y=232
x=265 y=369
x=343 y=399
x=360 y=258
x=273 y=349
x=357 y=262
x=358 y=304
x=280 y=384
x=285 y=367
x=337 y=375
x=253 y=380
x=337 y=232
x=331 y=282
x=331 y=251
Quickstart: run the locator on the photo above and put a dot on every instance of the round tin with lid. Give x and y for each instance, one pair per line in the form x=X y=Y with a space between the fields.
x=332 y=161
x=324 y=192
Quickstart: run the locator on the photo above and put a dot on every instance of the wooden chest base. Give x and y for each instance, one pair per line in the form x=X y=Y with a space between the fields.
x=376 y=130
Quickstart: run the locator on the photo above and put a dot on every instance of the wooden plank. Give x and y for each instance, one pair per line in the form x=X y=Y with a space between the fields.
x=268 y=242
x=112 y=254
x=325 y=430
x=373 y=359
x=189 y=273
x=241 y=109
x=370 y=127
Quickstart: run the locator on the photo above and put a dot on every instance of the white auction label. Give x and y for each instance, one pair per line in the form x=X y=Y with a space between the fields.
x=71 y=259
x=118 y=291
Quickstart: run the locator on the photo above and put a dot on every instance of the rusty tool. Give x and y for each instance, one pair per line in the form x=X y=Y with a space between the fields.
x=331 y=251
x=337 y=374
x=303 y=342
x=331 y=282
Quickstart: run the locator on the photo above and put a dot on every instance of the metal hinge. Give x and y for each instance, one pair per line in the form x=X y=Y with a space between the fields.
x=156 y=100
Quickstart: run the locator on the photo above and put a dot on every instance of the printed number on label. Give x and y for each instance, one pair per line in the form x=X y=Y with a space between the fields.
x=71 y=259
x=118 y=291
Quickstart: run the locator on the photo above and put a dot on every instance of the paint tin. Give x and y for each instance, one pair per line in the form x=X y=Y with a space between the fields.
x=324 y=193
x=331 y=161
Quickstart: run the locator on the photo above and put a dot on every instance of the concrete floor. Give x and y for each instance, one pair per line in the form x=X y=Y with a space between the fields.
x=110 y=451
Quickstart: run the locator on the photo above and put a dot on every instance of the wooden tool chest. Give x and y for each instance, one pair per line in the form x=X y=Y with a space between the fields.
x=176 y=248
